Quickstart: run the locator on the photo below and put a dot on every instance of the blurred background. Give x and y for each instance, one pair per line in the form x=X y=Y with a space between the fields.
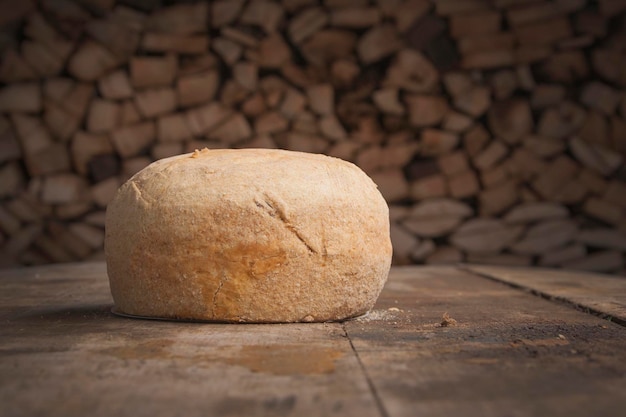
x=495 y=129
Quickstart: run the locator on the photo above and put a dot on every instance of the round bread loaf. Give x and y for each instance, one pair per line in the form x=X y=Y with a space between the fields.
x=249 y=235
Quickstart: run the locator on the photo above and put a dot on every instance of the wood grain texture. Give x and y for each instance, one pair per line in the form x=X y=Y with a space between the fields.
x=509 y=353
x=600 y=293
x=62 y=353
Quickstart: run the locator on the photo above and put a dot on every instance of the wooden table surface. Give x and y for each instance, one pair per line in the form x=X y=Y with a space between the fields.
x=527 y=342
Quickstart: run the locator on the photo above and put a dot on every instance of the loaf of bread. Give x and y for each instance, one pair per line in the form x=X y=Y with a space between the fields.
x=251 y=235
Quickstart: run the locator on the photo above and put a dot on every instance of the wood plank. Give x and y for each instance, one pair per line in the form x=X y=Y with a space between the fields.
x=500 y=349
x=69 y=356
x=508 y=350
x=602 y=294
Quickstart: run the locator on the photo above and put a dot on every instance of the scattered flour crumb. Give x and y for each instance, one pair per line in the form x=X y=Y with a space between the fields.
x=446 y=320
x=374 y=315
x=379 y=315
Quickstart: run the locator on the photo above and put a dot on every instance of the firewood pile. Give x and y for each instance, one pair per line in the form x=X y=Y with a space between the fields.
x=495 y=129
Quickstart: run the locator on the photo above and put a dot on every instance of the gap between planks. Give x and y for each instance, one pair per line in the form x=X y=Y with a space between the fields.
x=542 y=294
x=379 y=403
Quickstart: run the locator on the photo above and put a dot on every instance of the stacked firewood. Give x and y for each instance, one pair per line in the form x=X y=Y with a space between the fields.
x=495 y=129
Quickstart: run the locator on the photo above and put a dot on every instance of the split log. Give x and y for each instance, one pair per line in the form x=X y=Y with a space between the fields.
x=603 y=210
x=595 y=157
x=263 y=13
x=497 y=199
x=457 y=122
x=153 y=71
x=545 y=236
x=464 y=184
x=165 y=150
x=474 y=102
x=501 y=259
x=103 y=116
x=328 y=45
x=131 y=140
x=444 y=255
x=273 y=52
x=558 y=257
x=229 y=50
x=321 y=98
x=614 y=193
x=544 y=32
x=93 y=236
x=436 y=142
x=499 y=41
x=412 y=71
x=87 y=145
x=115 y=86
x=306 y=23
x=175 y=43
x=600 y=96
x=392 y=184
x=23 y=97
x=423 y=250
x=14 y=68
x=224 y=12
x=9 y=145
x=452 y=7
x=91 y=61
x=426 y=110
x=179 y=19
x=542 y=146
x=602 y=238
x=12 y=179
x=270 y=123
x=173 y=128
x=485 y=236
x=436 y=217
x=453 y=163
x=490 y=155
x=155 y=102
x=475 y=139
x=525 y=165
x=494 y=176
x=555 y=177
x=534 y=212
x=428 y=187
x=462 y=25
x=387 y=101
x=403 y=243
x=103 y=192
x=510 y=120
x=355 y=17
x=547 y=95
x=197 y=89
x=63 y=188
x=378 y=43
x=233 y=130
x=604 y=261
x=9 y=223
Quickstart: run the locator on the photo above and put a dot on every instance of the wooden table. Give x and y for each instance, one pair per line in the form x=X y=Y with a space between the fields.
x=526 y=342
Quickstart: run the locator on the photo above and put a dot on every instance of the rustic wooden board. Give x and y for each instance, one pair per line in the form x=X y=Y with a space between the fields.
x=600 y=293
x=510 y=353
x=62 y=353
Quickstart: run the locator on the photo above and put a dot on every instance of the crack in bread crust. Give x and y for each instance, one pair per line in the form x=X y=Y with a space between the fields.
x=275 y=210
x=223 y=281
